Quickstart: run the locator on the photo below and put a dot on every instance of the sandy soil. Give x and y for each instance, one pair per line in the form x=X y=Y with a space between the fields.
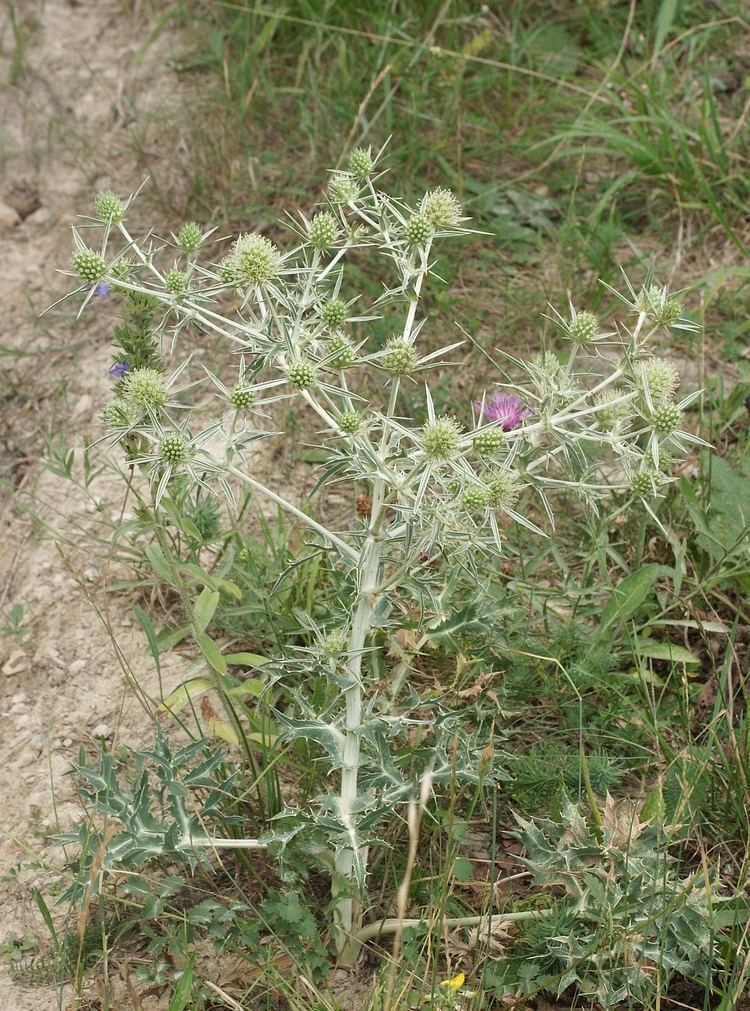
x=68 y=119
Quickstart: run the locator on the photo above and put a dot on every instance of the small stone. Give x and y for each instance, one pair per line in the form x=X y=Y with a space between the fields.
x=90 y=575
x=83 y=405
x=22 y=721
x=26 y=758
x=15 y=663
x=38 y=741
x=23 y=196
x=77 y=666
x=101 y=730
x=8 y=219
x=67 y=741
x=40 y=217
x=19 y=699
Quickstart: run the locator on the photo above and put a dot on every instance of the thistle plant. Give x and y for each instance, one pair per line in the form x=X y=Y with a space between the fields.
x=438 y=484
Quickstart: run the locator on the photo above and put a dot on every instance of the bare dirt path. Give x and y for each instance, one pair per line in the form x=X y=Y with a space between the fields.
x=76 y=84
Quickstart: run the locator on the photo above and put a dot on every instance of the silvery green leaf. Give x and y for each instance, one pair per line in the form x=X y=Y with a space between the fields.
x=325 y=734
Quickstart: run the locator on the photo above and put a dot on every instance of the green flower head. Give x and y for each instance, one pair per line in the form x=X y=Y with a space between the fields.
x=441 y=208
x=334 y=313
x=301 y=374
x=256 y=259
x=173 y=450
x=418 y=231
x=109 y=207
x=89 y=266
x=399 y=358
x=190 y=236
x=323 y=230
x=144 y=389
x=440 y=439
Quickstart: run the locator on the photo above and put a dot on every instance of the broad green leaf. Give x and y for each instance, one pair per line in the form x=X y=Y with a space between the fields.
x=184 y=988
x=325 y=734
x=644 y=674
x=665 y=651
x=205 y=606
x=211 y=652
x=628 y=597
x=221 y=729
x=246 y=659
x=159 y=563
x=229 y=587
x=250 y=687
x=153 y=639
x=653 y=807
x=169 y=637
x=184 y=692
x=199 y=575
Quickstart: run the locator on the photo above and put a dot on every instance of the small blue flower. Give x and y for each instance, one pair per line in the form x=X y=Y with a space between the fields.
x=101 y=290
x=119 y=369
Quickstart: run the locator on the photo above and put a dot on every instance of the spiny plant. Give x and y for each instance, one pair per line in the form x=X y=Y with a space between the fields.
x=626 y=921
x=441 y=487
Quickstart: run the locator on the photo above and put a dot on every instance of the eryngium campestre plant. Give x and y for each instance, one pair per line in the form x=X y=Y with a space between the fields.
x=436 y=486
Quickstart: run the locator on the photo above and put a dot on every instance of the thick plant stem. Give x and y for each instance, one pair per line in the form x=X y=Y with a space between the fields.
x=347 y=912
x=349 y=866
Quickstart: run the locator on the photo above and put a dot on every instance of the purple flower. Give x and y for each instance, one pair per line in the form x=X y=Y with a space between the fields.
x=119 y=369
x=101 y=290
x=507 y=408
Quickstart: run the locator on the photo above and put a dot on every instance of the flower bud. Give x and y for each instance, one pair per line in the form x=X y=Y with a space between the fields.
x=583 y=327
x=342 y=188
x=242 y=397
x=176 y=281
x=360 y=162
x=418 y=230
x=144 y=389
x=611 y=411
x=645 y=482
x=256 y=259
x=323 y=230
x=109 y=207
x=121 y=270
x=660 y=378
x=399 y=358
x=334 y=312
x=117 y=414
x=440 y=439
x=488 y=442
x=504 y=488
x=301 y=374
x=475 y=497
x=89 y=266
x=665 y=419
x=441 y=208
x=334 y=645
x=350 y=422
x=339 y=351
x=228 y=270
x=548 y=363
x=190 y=236
x=658 y=305
x=173 y=450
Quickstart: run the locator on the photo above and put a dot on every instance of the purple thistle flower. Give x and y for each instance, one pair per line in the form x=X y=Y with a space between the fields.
x=119 y=369
x=101 y=290
x=507 y=408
